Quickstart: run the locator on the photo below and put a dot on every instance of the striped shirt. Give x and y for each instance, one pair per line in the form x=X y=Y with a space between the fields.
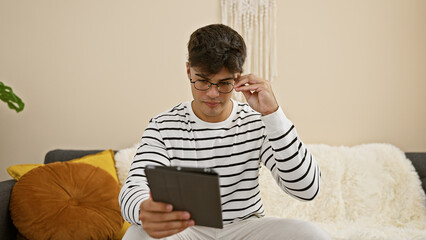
x=235 y=148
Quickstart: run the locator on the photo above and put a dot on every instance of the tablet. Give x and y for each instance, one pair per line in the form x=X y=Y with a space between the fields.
x=195 y=190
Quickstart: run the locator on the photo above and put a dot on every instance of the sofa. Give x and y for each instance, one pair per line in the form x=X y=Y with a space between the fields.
x=336 y=204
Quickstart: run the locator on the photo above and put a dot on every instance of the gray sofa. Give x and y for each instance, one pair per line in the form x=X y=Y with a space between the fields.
x=8 y=231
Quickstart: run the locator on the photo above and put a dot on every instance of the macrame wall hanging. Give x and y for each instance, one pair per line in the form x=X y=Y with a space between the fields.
x=255 y=20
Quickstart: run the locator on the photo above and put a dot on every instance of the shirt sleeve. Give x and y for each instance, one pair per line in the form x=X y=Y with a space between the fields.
x=151 y=150
x=292 y=165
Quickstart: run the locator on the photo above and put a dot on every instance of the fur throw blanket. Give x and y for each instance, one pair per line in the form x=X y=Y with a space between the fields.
x=368 y=191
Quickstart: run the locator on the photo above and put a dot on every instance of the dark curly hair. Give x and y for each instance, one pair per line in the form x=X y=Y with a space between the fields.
x=215 y=46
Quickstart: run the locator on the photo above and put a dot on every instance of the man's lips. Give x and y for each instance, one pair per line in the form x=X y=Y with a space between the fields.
x=212 y=104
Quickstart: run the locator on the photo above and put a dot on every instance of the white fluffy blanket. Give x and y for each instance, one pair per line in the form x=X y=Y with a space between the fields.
x=368 y=192
x=123 y=160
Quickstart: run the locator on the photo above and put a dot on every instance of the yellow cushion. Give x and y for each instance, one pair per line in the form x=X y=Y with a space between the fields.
x=120 y=235
x=17 y=171
x=104 y=160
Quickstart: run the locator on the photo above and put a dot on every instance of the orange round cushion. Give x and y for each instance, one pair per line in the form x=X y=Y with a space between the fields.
x=66 y=201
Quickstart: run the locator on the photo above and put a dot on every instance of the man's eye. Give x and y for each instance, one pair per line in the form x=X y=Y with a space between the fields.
x=225 y=84
x=203 y=82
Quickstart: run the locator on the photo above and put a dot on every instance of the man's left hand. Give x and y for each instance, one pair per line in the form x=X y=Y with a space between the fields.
x=258 y=93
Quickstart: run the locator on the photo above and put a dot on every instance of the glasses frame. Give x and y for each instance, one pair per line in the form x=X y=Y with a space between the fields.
x=210 y=84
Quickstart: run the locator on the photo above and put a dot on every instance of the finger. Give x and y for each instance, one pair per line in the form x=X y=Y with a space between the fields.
x=241 y=82
x=247 y=94
x=165 y=226
x=251 y=88
x=152 y=206
x=146 y=216
x=249 y=79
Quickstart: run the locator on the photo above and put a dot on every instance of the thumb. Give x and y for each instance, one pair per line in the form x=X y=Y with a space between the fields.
x=247 y=94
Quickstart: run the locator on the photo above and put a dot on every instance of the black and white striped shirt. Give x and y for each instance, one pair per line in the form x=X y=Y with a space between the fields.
x=235 y=148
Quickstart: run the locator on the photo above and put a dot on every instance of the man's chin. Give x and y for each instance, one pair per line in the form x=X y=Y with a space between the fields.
x=212 y=111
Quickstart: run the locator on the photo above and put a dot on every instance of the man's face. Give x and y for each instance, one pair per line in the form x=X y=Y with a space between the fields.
x=211 y=105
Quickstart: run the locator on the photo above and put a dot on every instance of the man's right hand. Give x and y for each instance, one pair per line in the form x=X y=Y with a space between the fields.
x=159 y=220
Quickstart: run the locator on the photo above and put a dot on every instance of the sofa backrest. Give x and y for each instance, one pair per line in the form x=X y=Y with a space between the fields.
x=417 y=158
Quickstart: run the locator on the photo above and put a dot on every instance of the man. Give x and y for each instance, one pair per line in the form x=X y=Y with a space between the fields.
x=233 y=138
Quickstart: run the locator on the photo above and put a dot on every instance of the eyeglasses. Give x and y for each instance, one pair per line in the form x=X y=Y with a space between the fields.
x=204 y=85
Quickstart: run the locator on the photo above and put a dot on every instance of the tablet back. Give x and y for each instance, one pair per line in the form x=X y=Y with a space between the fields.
x=195 y=190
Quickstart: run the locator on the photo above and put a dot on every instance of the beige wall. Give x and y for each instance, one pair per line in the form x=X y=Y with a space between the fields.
x=354 y=72
x=92 y=73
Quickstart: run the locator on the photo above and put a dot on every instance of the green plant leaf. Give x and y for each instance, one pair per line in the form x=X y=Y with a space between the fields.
x=13 y=101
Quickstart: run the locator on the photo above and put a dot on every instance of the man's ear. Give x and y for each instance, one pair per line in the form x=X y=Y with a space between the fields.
x=187 y=70
x=238 y=75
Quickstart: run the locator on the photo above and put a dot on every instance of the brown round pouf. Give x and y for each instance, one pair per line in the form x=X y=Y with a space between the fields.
x=61 y=201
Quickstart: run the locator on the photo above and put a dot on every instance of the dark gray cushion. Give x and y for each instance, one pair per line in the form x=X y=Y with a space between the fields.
x=419 y=163
x=60 y=155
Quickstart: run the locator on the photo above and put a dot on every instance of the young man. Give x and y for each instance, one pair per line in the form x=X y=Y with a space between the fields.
x=233 y=138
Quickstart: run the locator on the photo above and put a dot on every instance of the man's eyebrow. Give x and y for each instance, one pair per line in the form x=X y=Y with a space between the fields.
x=220 y=80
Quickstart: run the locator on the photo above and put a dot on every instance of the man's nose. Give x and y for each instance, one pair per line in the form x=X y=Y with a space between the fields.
x=213 y=91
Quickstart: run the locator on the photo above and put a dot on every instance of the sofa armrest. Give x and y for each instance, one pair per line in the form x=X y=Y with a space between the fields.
x=7 y=229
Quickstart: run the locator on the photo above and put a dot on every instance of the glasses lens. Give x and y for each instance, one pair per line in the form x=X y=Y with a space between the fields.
x=201 y=85
x=225 y=87
x=204 y=85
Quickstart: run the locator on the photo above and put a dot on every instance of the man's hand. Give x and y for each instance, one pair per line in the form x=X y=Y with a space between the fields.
x=159 y=220
x=258 y=93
